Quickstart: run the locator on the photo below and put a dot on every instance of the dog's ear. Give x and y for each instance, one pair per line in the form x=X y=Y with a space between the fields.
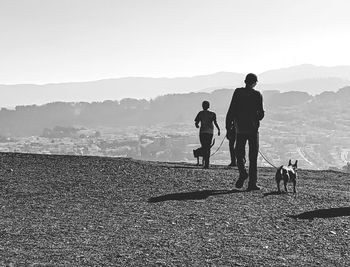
x=296 y=164
x=289 y=162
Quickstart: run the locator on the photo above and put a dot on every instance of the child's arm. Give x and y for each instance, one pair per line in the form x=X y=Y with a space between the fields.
x=197 y=119
x=216 y=125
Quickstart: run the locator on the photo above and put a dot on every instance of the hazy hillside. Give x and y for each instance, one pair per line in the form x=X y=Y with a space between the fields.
x=113 y=89
x=168 y=109
x=310 y=86
x=305 y=72
x=94 y=211
x=306 y=78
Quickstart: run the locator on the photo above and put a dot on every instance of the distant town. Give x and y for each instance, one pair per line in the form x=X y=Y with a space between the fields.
x=278 y=143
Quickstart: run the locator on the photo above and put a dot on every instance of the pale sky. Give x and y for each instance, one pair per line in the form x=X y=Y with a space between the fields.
x=47 y=41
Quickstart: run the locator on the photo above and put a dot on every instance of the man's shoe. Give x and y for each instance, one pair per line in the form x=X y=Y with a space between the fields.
x=232 y=164
x=253 y=188
x=240 y=181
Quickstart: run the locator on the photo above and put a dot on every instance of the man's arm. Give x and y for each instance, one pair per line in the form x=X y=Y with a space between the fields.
x=230 y=113
x=261 y=112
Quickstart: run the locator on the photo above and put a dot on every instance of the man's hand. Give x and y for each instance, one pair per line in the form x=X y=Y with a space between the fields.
x=228 y=134
x=196 y=124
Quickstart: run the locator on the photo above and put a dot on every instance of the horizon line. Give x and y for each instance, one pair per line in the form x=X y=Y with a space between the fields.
x=149 y=99
x=165 y=77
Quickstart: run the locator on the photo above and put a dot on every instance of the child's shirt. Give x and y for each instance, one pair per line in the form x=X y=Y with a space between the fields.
x=206 y=118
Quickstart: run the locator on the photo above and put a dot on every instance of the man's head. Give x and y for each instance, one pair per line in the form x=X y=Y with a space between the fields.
x=205 y=105
x=250 y=80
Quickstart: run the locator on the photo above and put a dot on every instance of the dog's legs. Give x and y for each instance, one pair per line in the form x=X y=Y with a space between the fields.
x=294 y=184
x=285 y=186
x=278 y=186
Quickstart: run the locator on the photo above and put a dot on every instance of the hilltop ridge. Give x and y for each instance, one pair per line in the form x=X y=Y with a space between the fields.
x=77 y=210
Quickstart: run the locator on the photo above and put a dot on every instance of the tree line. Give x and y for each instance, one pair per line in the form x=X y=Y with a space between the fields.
x=173 y=108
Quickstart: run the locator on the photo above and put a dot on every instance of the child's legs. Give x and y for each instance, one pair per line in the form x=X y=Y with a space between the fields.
x=205 y=139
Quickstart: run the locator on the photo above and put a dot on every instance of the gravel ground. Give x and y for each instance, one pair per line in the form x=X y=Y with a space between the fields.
x=94 y=211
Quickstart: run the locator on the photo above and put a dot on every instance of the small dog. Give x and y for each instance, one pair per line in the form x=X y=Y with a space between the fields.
x=287 y=174
x=199 y=152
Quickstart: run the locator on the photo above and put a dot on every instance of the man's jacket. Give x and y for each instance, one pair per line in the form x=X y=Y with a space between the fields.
x=245 y=111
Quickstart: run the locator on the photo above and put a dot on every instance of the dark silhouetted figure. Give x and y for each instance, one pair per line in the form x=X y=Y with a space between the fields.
x=206 y=118
x=246 y=111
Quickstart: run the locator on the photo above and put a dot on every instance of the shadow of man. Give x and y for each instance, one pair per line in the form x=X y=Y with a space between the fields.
x=322 y=213
x=195 y=195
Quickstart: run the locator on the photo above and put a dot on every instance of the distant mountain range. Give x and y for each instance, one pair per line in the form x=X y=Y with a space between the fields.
x=306 y=78
x=305 y=72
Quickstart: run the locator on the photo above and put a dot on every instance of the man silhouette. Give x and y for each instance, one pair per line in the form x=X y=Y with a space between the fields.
x=246 y=111
x=206 y=131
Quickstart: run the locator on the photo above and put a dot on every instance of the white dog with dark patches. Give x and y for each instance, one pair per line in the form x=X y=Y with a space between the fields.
x=287 y=174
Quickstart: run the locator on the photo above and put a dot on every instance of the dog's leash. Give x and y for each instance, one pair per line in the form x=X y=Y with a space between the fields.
x=267 y=160
x=218 y=147
x=259 y=153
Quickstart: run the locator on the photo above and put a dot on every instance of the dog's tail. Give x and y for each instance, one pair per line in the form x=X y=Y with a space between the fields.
x=212 y=143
